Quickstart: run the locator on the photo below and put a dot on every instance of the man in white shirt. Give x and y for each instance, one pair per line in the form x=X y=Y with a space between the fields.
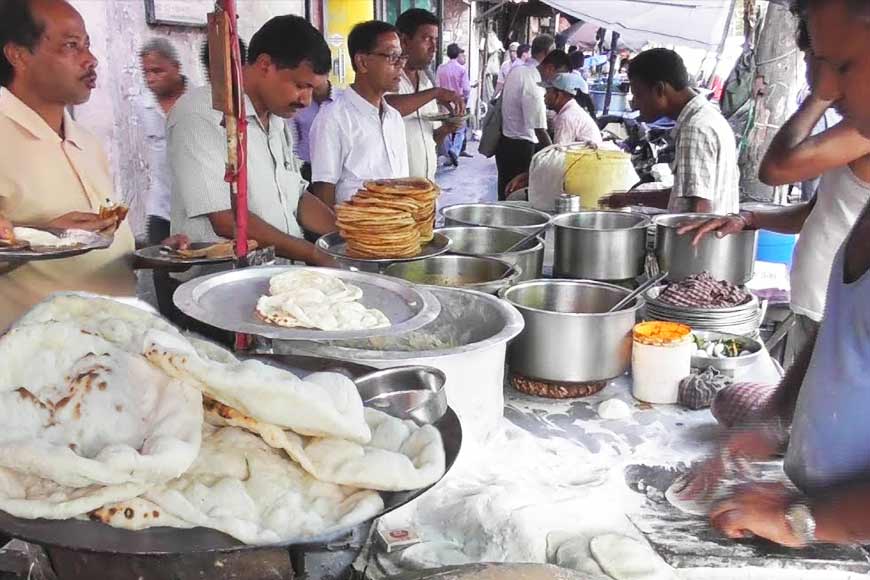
x=706 y=175
x=571 y=125
x=506 y=66
x=278 y=80
x=524 y=115
x=417 y=97
x=161 y=69
x=360 y=136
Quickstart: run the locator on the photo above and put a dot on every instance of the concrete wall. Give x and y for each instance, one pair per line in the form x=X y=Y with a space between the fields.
x=118 y=29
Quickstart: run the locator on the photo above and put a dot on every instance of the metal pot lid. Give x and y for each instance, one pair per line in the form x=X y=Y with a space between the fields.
x=227 y=300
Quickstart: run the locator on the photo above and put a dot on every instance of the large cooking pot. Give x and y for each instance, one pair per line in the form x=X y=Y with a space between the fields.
x=600 y=245
x=731 y=258
x=492 y=243
x=569 y=335
x=498 y=215
x=467 y=341
x=473 y=272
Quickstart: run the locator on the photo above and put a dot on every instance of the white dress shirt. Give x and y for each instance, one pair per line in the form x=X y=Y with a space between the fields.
x=353 y=141
x=159 y=202
x=573 y=124
x=420 y=133
x=522 y=106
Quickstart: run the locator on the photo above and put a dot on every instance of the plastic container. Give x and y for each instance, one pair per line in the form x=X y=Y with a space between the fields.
x=776 y=248
x=661 y=357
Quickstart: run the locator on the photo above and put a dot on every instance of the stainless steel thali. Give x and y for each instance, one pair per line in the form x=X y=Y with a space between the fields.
x=96 y=537
x=334 y=245
x=227 y=300
x=88 y=242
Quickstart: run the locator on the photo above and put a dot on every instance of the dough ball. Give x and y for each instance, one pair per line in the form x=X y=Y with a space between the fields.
x=614 y=409
x=624 y=558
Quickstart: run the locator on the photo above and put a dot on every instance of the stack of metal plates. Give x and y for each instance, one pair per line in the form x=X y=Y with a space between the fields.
x=743 y=320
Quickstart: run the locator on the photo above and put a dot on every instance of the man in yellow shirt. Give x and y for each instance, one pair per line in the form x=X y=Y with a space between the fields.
x=52 y=171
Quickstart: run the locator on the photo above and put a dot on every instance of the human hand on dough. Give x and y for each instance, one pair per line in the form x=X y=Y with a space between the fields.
x=758 y=509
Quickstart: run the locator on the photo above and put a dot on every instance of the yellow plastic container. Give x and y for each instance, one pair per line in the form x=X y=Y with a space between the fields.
x=594 y=173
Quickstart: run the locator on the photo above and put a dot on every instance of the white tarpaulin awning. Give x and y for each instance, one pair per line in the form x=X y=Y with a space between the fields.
x=693 y=23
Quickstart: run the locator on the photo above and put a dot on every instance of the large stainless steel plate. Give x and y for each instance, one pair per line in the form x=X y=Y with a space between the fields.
x=227 y=300
x=90 y=241
x=159 y=256
x=334 y=245
x=98 y=537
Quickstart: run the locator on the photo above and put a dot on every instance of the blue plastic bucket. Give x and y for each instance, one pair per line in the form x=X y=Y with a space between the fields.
x=777 y=248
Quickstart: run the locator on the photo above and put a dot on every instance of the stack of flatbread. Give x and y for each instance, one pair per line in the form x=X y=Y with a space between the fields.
x=312 y=299
x=390 y=218
x=127 y=421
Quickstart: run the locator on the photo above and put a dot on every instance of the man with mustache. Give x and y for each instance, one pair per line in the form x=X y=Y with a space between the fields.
x=361 y=136
x=51 y=166
x=278 y=80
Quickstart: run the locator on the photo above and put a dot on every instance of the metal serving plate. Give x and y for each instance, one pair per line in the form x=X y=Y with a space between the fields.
x=97 y=537
x=90 y=241
x=702 y=361
x=160 y=256
x=334 y=245
x=228 y=300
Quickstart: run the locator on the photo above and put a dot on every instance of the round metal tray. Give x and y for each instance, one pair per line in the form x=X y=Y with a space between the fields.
x=97 y=537
x=228 y=300
x=334 y=245
x=158 y=256
x=90 y=241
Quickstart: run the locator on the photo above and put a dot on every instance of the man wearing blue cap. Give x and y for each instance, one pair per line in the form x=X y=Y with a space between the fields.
x=571 y=125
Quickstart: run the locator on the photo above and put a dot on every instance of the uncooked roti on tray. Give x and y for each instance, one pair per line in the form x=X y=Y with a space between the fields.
x=110 y=425
x=309 y=299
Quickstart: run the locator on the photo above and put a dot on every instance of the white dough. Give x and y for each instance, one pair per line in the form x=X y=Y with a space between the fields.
x=624 y=558
x=41 y=238
x=614 y=409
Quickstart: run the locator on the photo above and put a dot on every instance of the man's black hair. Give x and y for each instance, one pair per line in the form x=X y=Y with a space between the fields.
x=577 y=59
x=18 y=25
x=363 y=37
x=523 y=49
x=659 y=65
x=558 y=60
x=291 y=40
x=205 y=56
x=410 y=20
x=542 y=43
x=453 y=51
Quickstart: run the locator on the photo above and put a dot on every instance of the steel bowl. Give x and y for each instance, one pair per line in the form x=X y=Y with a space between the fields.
x=413 y=393
x=491 y=243
x=600 y=245
x=569 y=335
x=498 y=215
x=472 y=272
x=731 y=258
x=727 y=365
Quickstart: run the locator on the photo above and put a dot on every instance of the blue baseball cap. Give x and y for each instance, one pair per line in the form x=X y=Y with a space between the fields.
x=567 y=82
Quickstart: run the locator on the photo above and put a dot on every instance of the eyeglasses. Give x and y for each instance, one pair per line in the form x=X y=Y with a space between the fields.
x=392 y=59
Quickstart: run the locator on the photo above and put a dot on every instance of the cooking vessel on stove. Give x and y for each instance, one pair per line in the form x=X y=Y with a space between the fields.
x=600 y=245
x=731 y=258
x=569 y=335
x=452 y=271
x=491 y=243
x=498 y=215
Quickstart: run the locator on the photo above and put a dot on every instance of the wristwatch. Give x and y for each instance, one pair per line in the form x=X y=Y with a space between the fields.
x=801 y=522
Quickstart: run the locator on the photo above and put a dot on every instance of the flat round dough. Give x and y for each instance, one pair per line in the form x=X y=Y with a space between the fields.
x=614 y=409
x=624 y=558
x=501 y=572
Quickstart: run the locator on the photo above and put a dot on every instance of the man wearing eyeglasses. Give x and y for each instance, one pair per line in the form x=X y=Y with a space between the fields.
x=360 y=136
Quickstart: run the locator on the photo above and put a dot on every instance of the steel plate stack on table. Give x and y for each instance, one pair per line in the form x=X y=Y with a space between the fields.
x=743 y=319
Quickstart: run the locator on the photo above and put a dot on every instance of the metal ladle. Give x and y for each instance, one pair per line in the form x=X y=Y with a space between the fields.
x=638 y=291
x=527 y=238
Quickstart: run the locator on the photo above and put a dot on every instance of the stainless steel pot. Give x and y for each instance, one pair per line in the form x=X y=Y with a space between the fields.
x=600 y=245
x=491 y=243
x=569 y=335
x=731 y=258
x=498 y=215
x=472 y=272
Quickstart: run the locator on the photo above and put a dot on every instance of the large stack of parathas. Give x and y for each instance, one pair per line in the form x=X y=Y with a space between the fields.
x=127 y=421
x=390 y=218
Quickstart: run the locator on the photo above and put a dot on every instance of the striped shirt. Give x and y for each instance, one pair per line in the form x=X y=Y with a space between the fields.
x=198 y=154
x=706 y=159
